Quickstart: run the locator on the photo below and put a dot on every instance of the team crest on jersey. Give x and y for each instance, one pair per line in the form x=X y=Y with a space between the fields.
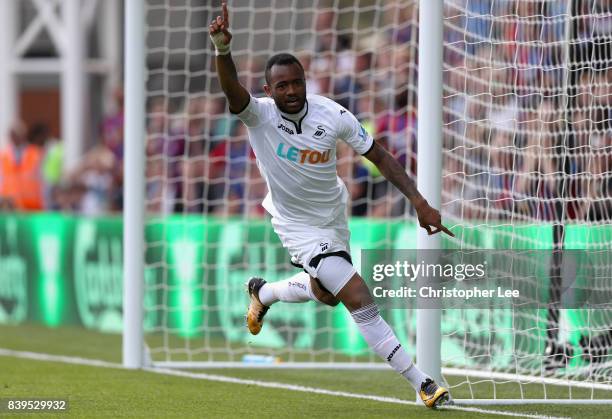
x=320 y=132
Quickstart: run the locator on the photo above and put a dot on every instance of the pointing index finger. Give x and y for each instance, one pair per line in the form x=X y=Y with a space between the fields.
x=225 y=14
x=446 y=230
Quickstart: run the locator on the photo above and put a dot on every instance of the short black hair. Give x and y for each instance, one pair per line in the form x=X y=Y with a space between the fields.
x=280 y=59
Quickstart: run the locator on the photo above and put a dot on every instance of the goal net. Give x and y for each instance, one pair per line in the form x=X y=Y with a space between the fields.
x=527 y=164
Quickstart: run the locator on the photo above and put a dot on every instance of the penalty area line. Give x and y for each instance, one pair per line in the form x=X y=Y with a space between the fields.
x=265 y=384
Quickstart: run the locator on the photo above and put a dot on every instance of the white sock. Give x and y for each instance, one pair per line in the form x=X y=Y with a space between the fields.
x=384 y=343
x=415 y=376
x=295 y=289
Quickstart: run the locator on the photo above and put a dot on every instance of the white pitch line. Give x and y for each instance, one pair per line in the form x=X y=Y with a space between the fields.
x=59 y=358
x=293 y=387
x=266 y=384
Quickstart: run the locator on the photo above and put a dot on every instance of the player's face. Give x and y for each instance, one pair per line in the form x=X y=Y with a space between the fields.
x=287 y=87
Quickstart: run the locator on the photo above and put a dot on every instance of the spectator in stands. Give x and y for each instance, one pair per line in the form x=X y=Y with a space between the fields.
x=598 y=205
x=193 y=167
x=93 y=181
x=501 y=176
x=400 y=18
x=112 y=139
x=452 y=188
x=332 y=65
x=473 y=150
x=167 y=143
x=219 y=123
x=252 y=78
x=206 y=127
x=112 y=126
x=581 y=126
x=345 y=86
x=477 y=23
x=320 y=76
x=158 y=124
x=535 y=180
x=67 y=197
x=21 y=184
x=363 y=175
x=328 y=39
x=232 y=159
x=52 y=164
x=362 y=75
x=160 y=194
x=592 y=127
x=383 y=73
x=502 y=106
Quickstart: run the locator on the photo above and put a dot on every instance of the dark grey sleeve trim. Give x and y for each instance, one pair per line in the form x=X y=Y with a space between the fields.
x=369 y=149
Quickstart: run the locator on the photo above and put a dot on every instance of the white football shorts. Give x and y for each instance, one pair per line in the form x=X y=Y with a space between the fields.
x=305 y=242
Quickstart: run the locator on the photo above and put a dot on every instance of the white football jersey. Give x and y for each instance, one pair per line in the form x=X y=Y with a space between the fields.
x=296 y=155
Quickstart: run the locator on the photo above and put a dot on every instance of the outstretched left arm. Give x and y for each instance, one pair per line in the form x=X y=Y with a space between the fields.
x=393 y=171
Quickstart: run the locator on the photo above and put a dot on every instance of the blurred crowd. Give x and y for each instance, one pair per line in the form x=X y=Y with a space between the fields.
x=528 y=121
x=525 y=136
x=33 y=176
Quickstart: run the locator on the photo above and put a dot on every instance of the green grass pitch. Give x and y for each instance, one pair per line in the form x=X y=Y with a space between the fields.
x=114 y=392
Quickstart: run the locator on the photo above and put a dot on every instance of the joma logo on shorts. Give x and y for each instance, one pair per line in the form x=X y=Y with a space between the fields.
x=302 y=156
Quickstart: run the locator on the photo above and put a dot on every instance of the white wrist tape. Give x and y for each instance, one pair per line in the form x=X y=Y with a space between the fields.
x=218 y=40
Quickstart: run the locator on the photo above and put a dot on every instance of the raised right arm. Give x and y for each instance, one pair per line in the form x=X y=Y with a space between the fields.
x=237 y=96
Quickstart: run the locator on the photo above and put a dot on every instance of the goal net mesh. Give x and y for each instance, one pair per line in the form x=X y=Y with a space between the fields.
x=527 y=164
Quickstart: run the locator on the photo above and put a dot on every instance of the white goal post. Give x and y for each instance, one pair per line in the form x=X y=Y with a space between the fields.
x=510 y=118
x=133 y=211
x=429 y=166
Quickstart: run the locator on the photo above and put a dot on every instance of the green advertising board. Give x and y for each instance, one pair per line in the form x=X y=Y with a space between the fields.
x=58 y=269
x=14 y=284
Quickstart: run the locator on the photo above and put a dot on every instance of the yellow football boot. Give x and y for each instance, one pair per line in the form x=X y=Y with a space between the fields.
x=432 y=394
x=257 y=310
